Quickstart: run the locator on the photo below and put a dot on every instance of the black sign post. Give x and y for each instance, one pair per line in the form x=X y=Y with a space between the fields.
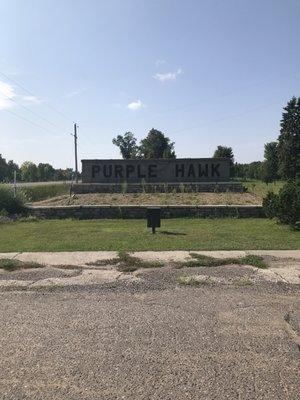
x=153 y=218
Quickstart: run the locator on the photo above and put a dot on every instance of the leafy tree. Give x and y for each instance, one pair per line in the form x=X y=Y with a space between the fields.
x=270 y=166
x=45 y=172
x=11 y=168
x=289 y=140
x=223 y=151
x=29 y=172
x=64 y=174
x=7 y=170
x=156 y=145
x=3 y=169
x=252 y=170
x=127 y=145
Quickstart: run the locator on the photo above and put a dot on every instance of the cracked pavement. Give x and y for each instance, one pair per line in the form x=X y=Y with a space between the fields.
x=142 y=335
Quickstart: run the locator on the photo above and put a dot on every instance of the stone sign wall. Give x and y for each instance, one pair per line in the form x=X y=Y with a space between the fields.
x=156 y=170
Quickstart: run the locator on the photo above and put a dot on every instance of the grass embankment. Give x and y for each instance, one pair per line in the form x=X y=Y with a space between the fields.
x=42 y=192
x=38 y=192
x=153 y=199
x=256 y=190
x=132 y=235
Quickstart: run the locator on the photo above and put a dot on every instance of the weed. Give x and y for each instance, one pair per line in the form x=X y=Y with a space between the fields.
x=127 y=263
x=193 y=281
x=124 y=187
x=200 y=260
x=9 y=264
x=181 y=187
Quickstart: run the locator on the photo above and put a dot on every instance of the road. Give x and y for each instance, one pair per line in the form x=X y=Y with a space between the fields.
x=147 y=337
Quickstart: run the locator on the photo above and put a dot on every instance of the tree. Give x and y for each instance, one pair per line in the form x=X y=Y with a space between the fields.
x=156 y=145
x=127 y=145
x=45 y=172
x=289 y=140
x=3 y=169
x=226 y=152
x=29 y=172
x=270 y=166
x=7 y=170
x=11 y=168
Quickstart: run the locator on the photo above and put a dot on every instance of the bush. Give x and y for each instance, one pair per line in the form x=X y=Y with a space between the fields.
x=10 y=204
x=289 y=203
x=285 y=205
x=270 y=204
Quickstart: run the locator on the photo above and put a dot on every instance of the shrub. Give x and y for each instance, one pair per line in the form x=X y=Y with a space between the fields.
x=289 y=203
x=270 y=204
x=10 y=204
x=285 y=205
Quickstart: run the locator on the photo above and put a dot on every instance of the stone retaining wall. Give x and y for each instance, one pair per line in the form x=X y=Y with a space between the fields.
x=139 y=212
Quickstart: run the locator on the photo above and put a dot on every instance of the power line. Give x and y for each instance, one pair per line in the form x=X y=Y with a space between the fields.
x=29 y=121
x=32 y=94
x=28 y=109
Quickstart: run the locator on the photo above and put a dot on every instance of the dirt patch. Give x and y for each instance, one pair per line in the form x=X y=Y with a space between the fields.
x=153 y=199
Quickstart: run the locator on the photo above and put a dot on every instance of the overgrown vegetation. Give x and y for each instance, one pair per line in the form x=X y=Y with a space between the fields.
x=125 y=262
x=285 y=206
x=201 y=260
x=9 y=264
x=184 y=198
x=10 y=204
x=42 y=192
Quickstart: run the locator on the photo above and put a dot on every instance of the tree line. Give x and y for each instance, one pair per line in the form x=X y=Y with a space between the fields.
x=31 y=172
x=281 y=157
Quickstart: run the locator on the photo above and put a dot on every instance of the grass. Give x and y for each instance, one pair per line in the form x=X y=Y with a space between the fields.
x=58 y=195
x=42 y=192
x=201 y=260
x=201 y=280
x=132 y=235
x=9 y=264
x=259 y=189
x=184 y=198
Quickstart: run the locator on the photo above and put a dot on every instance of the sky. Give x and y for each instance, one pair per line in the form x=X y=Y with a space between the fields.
x=204 y=72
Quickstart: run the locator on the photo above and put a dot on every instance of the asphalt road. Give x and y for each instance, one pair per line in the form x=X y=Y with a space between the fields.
x=151 y=339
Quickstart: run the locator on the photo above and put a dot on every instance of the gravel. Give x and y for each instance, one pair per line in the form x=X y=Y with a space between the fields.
x=151 y=339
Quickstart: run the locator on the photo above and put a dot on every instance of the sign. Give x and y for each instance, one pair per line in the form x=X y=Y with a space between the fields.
x=156 y=170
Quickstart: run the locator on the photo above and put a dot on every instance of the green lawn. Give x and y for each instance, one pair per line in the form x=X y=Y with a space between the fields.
x=175 y=234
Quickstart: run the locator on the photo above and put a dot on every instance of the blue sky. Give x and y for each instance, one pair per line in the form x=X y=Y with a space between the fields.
x=204 y=72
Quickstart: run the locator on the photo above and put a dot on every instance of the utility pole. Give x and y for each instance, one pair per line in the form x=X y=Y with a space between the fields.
x=75 y=145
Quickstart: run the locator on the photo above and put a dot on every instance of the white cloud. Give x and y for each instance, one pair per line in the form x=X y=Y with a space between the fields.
x=9 y=97
x=168 y=76
x=135 y=105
